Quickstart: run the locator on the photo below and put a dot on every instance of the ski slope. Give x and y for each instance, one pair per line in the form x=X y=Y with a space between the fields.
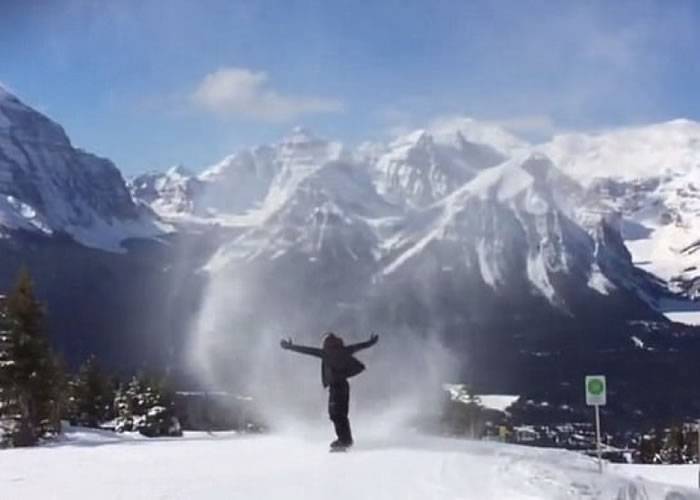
x=91 y=465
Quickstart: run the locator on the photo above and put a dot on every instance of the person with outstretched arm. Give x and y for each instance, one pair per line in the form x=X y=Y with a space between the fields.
x=337 y=365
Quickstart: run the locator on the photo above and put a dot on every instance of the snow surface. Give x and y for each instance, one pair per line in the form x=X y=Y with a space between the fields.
x=680 y=475
x=94 y=464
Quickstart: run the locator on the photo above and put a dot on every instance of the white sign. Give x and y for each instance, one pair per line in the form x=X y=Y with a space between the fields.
x=596 y=390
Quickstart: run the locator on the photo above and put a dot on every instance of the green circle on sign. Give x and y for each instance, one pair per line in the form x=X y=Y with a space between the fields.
x=596 y=386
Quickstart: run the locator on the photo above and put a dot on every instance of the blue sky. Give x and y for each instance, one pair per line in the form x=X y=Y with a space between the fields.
x=150 y=84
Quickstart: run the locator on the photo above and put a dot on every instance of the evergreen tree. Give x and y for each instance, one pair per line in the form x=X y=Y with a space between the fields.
x=145 y=405
x=92 y=395
x=8 y=397
x=123 y=409
x=32 y=379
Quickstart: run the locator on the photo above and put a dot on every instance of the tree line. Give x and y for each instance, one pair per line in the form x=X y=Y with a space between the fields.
x=38 y=392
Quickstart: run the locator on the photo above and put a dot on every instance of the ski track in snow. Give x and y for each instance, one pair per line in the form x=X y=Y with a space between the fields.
x=93 y=464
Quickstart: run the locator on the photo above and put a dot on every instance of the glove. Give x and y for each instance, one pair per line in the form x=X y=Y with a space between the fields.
x=374 y=338
x=286 y=343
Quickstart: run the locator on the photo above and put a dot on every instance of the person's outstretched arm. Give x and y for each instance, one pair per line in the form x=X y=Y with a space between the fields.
x=311 y=351
x=364 y=345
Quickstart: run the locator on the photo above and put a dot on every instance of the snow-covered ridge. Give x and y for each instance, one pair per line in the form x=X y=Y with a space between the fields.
x=396 y=201
x=48 y=186
x=646 y=178
x=506 y=223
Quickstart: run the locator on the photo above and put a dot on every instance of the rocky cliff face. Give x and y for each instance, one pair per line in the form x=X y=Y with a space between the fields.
x=49 y=186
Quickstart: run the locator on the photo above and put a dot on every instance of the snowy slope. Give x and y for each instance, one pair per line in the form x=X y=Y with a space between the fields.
x=686 y=476
x=323 y=214
x=650 y=175
x=508 y=223
x=48 y=186
x=286 y=467
x=487 y=216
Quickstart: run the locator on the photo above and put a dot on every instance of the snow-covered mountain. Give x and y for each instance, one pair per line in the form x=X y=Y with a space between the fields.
x=650 y=176
x=169 y=193
x=500 y=214
x=508 y=252
x=499 y=266
x=504 y=224
x=239 y=186
x=50 y=187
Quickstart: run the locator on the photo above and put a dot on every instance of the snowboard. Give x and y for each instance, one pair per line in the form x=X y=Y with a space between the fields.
x=339 y=449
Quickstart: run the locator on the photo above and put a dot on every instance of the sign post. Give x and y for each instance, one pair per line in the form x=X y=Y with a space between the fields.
x=596 y=391
x=698 y=429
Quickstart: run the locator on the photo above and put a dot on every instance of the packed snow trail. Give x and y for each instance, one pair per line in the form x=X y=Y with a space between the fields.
x=90 y=465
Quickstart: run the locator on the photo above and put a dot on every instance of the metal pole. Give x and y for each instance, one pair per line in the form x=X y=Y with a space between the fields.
x=597 y=438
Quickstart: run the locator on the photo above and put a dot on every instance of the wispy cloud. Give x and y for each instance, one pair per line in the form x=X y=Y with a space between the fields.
x=396 y=122
x=538 y=125
x=241 y=92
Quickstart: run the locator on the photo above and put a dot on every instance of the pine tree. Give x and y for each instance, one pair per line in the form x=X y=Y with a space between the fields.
x=32 y=379
x=123 y=409
x=8 y=397
x=92 y=395
x=144 y=404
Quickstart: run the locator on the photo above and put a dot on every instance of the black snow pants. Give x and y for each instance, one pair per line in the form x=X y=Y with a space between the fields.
x=338 y=406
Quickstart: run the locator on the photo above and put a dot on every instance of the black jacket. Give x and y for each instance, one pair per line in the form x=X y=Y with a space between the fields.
x=337 y=364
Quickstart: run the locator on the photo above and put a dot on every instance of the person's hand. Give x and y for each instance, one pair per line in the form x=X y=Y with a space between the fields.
x=286 y=343
x=373 y=338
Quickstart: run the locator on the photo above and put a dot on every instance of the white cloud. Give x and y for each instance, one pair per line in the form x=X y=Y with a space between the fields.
x=246 y=93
